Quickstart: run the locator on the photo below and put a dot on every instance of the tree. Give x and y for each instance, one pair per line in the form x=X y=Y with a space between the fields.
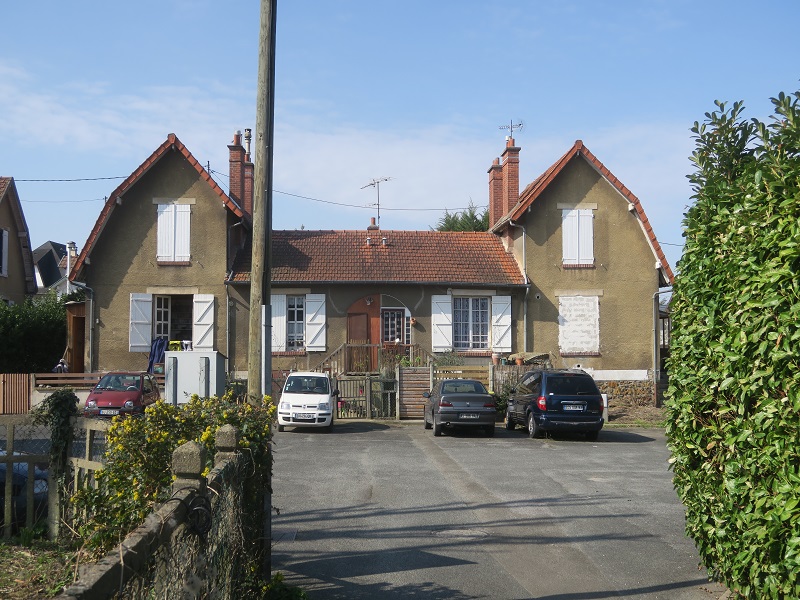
x=467 y=220
x=734 y=397
x=33 y=334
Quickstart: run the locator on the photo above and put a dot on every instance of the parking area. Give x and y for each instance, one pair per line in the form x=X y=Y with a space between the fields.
x=385 y=509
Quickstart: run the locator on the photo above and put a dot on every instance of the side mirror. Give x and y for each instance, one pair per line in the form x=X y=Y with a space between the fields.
x=335 y=393
x=426 y=394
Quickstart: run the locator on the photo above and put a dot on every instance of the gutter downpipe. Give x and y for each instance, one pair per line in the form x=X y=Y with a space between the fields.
x=83 y=286
x=657 y=342
x=527 y=285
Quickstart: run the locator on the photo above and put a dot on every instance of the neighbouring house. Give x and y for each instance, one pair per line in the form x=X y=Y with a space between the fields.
x=339 y=298
x=155 y=262
x=17 y=280
x=592 y=260
x=52 y=263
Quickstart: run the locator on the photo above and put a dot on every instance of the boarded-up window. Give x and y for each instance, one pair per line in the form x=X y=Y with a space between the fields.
x=579 y=325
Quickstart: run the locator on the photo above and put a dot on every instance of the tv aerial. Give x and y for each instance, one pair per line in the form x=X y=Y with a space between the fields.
x=512 y=126
x=376 y=183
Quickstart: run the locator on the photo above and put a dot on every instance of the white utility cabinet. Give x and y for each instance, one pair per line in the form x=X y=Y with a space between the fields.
x=193 y=372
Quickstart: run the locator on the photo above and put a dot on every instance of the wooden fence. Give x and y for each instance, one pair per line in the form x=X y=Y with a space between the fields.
x=15 y=393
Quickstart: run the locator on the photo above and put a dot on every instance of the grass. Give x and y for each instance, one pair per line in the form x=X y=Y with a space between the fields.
x=33 y=568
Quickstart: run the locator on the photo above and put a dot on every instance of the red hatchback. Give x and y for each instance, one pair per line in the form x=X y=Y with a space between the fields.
x=121 y=393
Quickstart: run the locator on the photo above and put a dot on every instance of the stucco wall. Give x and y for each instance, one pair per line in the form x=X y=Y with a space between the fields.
x=624 y=275
x=124 y=260
x=12 y=287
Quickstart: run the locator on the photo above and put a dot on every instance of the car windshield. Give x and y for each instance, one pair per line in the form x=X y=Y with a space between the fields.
x=297 y=384
x=571 y=386
x=119 y=382
x=463 y=387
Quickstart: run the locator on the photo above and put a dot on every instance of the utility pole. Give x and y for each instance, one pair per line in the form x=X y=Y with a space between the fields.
x=259 y=368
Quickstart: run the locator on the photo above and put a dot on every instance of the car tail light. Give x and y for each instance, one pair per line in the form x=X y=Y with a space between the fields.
x=489 y=404
x=443 y=402
x=541 y=402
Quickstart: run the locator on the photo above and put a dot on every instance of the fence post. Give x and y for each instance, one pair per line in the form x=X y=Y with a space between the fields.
x=188 y=462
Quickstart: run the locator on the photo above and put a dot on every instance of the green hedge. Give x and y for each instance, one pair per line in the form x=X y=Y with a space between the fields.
x=733 y=404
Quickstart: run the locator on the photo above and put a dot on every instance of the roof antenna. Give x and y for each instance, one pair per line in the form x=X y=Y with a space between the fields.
x=512 y=126
x=376 y=183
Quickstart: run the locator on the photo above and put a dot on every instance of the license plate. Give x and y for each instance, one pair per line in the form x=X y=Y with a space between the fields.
x=303 y=415
x=573 y=407
x=108 y=411
x=468 y=416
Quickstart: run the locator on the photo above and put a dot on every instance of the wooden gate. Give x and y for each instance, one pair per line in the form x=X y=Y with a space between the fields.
x=15 y=393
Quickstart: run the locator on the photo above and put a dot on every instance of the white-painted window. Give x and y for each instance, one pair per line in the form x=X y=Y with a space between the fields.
x=174 y=233
x=579 y=325
x=471 y=323
x=298 y=322
x=577 y=237
x=179 y=317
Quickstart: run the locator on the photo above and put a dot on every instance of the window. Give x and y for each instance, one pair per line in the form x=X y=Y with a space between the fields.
x=471 y=323
x=183 y=317
x=174 y=228
x=579 y=325
x=298 y=322
x=395 y=327
x=295 y=322
x=577 y=231
x=3 y=253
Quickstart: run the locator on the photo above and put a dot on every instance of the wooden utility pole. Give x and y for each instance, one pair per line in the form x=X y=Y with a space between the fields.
x=259 y=368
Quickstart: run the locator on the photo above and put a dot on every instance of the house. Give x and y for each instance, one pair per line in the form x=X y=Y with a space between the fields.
x=412 y=292
x=17 y=280
x=155 y=262
x=592 y=262
x=52 y=263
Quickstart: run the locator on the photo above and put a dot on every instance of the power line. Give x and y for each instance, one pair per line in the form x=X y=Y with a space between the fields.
x=69 y=180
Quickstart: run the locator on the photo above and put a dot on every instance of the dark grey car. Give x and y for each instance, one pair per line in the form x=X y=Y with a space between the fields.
x=459 y=403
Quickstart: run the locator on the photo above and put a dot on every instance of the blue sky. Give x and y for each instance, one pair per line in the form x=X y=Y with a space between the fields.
x=416 y=91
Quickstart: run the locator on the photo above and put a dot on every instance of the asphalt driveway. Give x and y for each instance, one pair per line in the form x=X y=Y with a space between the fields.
x=385 y=510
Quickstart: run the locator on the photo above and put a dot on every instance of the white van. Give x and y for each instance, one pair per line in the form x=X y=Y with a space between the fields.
x=307 y=400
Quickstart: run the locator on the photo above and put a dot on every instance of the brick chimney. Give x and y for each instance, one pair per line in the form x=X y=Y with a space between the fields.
x=504 y=183
x=241 y=172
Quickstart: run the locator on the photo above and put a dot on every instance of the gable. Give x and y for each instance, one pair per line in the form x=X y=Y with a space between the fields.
x=185 y=168
x=18 y=240
x=553 y=179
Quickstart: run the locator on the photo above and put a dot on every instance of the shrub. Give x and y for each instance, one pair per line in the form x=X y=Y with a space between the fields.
x=734 y=398
x=137 y=474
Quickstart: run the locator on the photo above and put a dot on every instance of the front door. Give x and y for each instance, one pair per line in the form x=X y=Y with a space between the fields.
x=359 y=357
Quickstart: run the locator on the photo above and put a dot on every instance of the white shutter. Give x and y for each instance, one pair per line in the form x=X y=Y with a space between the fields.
x=166 y=233
x=586 y=237
x=140 y=333
x=203 y=322
x=278 y=303
x=4 y=252
x=183 y=221
x=315 y=323
x=569 y=237
x=442 y=323
x=501 y=323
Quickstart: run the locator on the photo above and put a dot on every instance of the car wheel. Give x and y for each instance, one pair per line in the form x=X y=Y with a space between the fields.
x=281 y=428
x=534 y=430
x=591 y=436
x=437 y=429
x=425 y=419
x=509 y=421
x=490 y=431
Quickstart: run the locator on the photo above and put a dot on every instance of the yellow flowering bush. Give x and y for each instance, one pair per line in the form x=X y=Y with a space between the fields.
x=137 y=473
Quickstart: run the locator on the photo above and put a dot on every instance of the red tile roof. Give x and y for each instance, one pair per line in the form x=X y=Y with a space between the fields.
x=430 y=257
x=172 y=142
x=537 y=187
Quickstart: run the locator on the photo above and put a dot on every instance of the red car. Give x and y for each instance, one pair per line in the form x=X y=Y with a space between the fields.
x=121 y=393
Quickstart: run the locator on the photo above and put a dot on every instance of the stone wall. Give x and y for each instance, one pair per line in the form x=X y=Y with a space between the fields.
x=628 y=393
